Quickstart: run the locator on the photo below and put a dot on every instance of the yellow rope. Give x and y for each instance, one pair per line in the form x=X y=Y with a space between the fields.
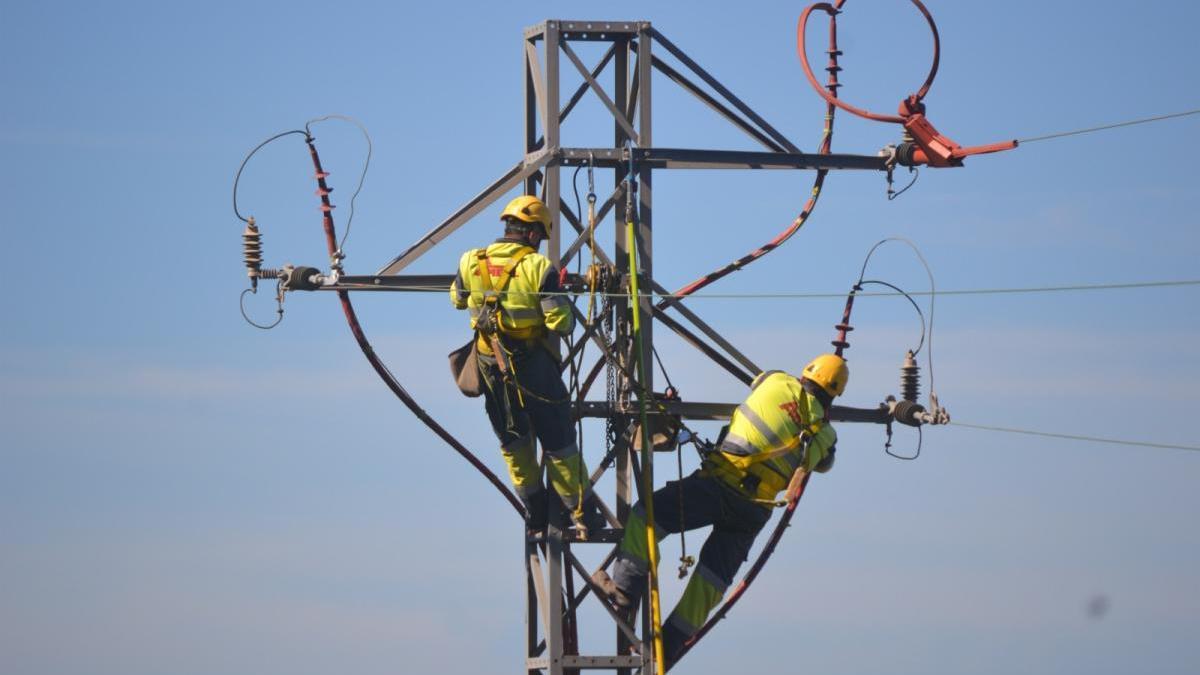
x=647 y=456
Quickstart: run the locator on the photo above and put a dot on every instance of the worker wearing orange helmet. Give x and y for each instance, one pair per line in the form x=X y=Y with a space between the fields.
x=782 y=428
x=512 y=293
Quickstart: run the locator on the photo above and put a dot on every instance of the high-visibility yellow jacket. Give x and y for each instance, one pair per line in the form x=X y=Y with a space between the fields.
x=778 y=429
x=530 y=303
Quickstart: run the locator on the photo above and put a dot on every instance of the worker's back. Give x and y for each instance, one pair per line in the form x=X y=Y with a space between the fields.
x=530 y=301
x=779 y=428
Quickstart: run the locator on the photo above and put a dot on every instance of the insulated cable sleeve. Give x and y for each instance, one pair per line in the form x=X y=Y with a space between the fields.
x=818 y=182
x=411 y=404
x=755 y=254
x=831 y=97
x=366 y=164
x=373 y=358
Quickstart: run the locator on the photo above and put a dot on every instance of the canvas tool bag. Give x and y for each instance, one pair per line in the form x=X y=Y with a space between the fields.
x=464 y=366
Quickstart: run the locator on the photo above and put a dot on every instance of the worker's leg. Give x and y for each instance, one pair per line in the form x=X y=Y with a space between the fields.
x=551 y=416
x=511 y=426
x=694 y=502
x=720 y=557
x=523 y=469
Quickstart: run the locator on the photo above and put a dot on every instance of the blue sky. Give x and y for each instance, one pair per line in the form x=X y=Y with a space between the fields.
x=182 y=493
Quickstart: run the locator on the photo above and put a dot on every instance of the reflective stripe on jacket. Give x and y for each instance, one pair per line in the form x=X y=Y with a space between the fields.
x=531 y=301
x=778 y=429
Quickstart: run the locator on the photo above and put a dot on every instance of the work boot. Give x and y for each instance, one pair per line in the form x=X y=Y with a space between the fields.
x=591 y=520
x=538 y=512
x=626 y=606
x=586 y=520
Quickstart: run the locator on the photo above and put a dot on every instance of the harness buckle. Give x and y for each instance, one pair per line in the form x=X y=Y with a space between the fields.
x=488 y=321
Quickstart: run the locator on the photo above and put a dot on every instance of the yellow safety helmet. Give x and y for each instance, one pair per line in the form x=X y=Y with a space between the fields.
x=830 y=372
x=529 y=209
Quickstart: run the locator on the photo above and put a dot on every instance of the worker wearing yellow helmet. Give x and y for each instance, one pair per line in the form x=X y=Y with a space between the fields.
x=513 y=296
x=782 y=428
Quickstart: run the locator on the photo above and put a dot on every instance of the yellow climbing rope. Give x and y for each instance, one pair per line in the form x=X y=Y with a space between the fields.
x=647 y=449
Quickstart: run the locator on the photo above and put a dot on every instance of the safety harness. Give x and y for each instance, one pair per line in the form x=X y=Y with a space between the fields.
x=749 y=481
x=489 y=323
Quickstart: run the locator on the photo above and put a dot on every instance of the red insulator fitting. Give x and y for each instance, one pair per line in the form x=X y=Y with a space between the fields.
x=840 y=343
x=929 y=147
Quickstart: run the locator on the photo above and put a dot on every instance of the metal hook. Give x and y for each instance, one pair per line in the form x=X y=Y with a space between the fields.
x=591 y=178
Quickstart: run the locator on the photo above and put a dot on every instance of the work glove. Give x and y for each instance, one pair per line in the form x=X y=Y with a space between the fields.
x=826 y=462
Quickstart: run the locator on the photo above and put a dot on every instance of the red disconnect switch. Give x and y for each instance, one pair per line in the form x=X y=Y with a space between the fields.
x=922 y=145
x=932 y=148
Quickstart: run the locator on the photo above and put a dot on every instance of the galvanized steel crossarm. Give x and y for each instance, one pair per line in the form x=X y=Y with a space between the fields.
x=687 y=158
x=592 y=31
x=491 y=193
x=697 y=410
x=586 y=662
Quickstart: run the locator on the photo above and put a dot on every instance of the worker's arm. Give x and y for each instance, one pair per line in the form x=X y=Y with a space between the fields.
x=826 y=464
x=798 y=476
x=820 y=453
x=459 y=291
x=556 y=309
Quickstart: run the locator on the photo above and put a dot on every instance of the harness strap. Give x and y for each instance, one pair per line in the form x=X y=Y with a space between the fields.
x=762 y=377
x=491 y=297
x=492 y=293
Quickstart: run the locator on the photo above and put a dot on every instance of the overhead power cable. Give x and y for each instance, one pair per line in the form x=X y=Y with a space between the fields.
x=1077 y=132
x=1073 y=437
x=813 y=296
x=1071 y=287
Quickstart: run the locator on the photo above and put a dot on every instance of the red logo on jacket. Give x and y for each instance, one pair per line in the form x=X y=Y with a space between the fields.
x=792 y=408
